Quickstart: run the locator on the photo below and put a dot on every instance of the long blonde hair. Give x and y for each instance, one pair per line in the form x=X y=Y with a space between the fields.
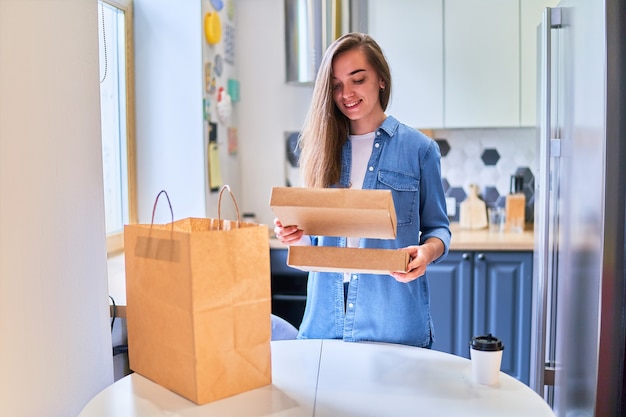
x=325 y=128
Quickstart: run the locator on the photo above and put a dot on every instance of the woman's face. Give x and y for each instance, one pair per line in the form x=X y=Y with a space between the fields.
x=356 y=87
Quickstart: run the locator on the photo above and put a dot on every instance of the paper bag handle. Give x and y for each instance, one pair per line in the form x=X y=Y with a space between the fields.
x=219 y=204
x=156 y=200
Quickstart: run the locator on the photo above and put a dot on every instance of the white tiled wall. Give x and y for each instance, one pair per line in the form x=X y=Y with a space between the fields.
x=463 y=164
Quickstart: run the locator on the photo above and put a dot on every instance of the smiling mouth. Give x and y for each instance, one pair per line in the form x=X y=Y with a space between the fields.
x=352 y=104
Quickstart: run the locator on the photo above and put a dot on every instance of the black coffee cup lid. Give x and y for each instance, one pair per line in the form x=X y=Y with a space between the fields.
x=488 y=343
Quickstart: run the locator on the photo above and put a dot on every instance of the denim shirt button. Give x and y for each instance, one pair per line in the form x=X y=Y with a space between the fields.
x=371 y=169
x=377 y=145
x=355 y=276
x=351 y=305
x=378 y=133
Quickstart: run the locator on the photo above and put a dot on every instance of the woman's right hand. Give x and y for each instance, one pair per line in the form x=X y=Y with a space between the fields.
x=288 y=235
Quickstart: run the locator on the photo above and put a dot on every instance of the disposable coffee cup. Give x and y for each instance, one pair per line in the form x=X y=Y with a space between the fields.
x=486 y=357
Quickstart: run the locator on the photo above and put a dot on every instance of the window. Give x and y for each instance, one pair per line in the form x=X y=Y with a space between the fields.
x=117 y=118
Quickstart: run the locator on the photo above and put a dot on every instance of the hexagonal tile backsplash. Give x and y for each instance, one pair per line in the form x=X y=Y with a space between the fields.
x=487 y=158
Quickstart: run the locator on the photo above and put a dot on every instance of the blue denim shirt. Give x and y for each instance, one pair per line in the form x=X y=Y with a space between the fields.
x=379 y=308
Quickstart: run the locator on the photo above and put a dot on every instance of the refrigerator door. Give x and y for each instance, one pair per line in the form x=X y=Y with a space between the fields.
x=581 y=104
x=576 y=311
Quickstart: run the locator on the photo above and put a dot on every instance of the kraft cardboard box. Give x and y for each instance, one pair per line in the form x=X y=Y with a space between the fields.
x=340 y=212
x=336 y=211
x=363 y=260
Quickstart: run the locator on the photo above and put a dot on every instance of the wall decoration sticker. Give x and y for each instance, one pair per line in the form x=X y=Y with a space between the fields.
x=206 y=109
x=224 y=106
x=233 y=140
x=233 y=90
x=209 y=79
x=229 y=44
x=212 y=28
x=212 y=132
x=230 y=8
x=213 y=159
x=218 y=66
x=217 y=4
x=215 y=172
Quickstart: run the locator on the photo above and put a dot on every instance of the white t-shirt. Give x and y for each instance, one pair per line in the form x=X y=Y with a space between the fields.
x=361 y=152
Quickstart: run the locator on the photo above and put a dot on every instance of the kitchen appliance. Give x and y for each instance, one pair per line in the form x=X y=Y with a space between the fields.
x=578 y=296
x=311 y=26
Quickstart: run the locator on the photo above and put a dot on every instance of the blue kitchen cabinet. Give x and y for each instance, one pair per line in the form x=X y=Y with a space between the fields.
x=451 y=284
x=503 y=304
x=481 y=292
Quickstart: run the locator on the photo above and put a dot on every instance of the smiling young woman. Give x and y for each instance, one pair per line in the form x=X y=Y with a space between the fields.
x=349 y=142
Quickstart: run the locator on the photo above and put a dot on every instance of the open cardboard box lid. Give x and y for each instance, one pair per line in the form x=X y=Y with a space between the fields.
x=361 y=260
x=336 y=211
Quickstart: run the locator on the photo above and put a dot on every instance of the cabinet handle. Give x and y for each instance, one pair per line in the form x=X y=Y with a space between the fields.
x=466 y=256
x=481 y=256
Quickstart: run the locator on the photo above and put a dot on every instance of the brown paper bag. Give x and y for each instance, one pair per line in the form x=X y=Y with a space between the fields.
x=198 y=305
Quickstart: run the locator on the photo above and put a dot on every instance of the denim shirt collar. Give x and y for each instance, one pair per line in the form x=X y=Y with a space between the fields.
x=389 y=126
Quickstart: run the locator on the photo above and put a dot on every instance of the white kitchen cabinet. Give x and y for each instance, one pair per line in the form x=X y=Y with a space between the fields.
x=410 y=32
x=459 y=63
x=530 y=17
x=482 y=63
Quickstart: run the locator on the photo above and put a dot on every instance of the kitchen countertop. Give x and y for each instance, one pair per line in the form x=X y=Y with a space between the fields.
x=480 y=239
x=483 y=239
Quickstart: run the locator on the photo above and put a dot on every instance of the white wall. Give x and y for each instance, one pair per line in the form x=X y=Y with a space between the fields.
x=269 y=107
x=169 y=125
x=56 y=342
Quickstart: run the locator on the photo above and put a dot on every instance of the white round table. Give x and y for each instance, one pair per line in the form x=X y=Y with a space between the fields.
x=334 y=378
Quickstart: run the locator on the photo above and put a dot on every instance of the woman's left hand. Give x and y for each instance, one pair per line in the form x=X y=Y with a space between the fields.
x=416 y=267
x=419 y=258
